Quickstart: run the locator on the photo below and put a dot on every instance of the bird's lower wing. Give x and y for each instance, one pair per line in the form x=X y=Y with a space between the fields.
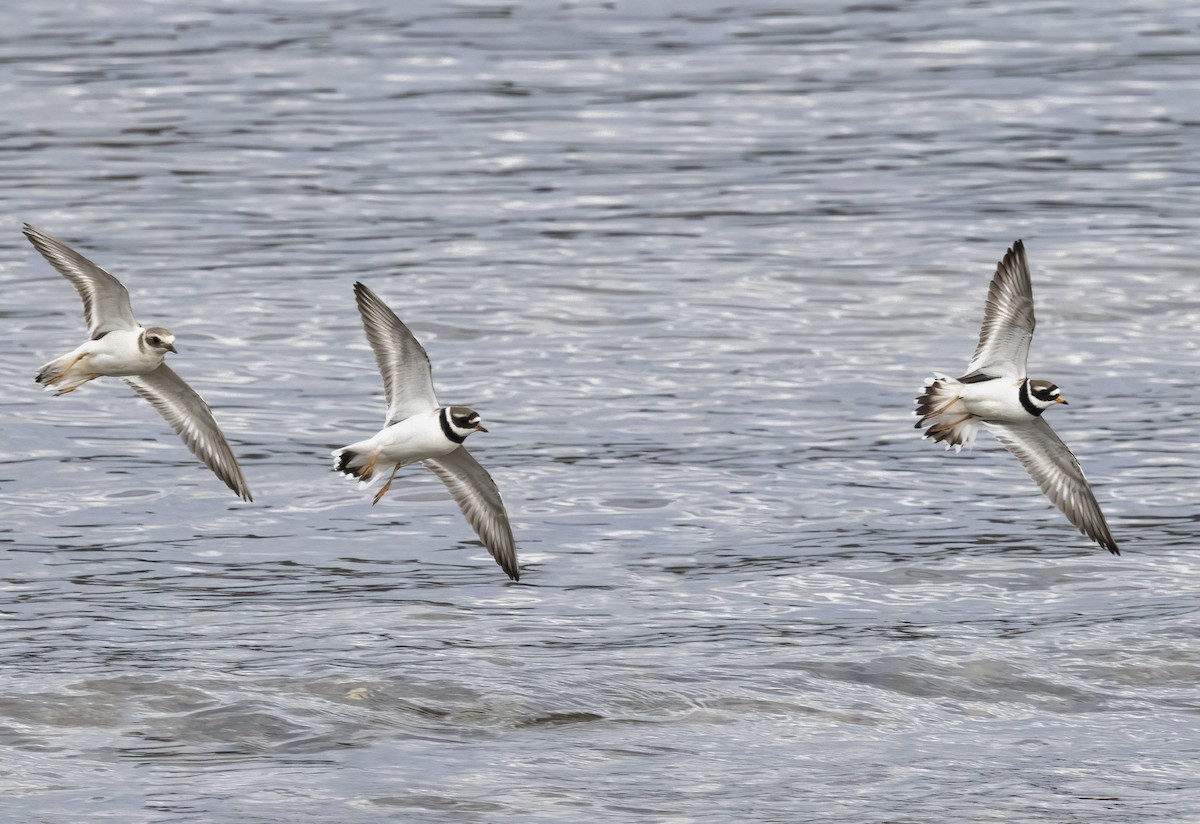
x=192 y=418
x=475 y=492
x=1051 y=464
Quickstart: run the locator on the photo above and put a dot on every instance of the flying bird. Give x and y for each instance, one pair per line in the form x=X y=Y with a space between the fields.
x=997 y=391
x=418 y=428
x=118 y=346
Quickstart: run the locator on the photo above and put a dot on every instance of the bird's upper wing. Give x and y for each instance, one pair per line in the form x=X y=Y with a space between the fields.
x=476 y=494
x=105 y=301
x=407 y=377
x=1051 y=464
x=192 y=418
x=1007 y=319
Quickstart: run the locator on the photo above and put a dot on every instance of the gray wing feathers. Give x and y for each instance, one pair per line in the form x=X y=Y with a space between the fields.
x=475 y=492
x=1008 y=319
x=192 y=418
x=1051 y=464
x=407 y=377
x=105 y=301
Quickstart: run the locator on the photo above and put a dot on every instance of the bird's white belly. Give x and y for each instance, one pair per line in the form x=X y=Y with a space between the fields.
x=995 y=400
x=413 y=439
x=118 y=354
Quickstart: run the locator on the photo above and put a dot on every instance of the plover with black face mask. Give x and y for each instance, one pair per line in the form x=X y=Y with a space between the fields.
x=996 y=391
x=121 y=347
x=418 y=428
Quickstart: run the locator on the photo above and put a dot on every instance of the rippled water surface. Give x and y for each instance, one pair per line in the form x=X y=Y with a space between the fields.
x=691 y=261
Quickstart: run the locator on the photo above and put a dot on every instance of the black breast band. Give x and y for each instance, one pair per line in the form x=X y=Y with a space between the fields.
x=1025 y=402
x=447 y=429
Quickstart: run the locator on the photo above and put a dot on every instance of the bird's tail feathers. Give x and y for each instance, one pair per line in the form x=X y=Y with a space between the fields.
x=61 y=373
x=55 y=370
x=353 y=464
x=942 y=410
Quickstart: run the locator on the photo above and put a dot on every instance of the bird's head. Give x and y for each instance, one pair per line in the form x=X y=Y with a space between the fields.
x=160 y=339
x=1044 y=394
x=464 y=421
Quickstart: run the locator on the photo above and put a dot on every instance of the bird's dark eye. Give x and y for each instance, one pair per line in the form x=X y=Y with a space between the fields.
x=155 y=341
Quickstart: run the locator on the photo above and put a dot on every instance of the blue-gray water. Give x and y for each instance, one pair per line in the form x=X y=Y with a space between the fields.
x=691 y=261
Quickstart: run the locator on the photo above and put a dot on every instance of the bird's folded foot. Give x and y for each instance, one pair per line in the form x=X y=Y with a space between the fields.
x=365 y=474
x=73 y=386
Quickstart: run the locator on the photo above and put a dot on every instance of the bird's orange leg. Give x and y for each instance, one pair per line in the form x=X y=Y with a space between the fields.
x=386 y=486
x=75 y=386
x=63 y=373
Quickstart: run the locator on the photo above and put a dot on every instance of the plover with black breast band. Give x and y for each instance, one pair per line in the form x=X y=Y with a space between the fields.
x=997 y=391
x=419 y=429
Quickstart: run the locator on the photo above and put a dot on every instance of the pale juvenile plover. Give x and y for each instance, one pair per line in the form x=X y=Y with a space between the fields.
x=418 y=428
x=121 y=347
x=996 y=391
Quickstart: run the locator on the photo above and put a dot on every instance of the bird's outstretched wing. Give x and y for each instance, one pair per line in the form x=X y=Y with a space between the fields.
x=105 y=301
x=1049 y=462
x=407 y=377
x=475 y=492
x=192 y=418
x=1008 y=320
